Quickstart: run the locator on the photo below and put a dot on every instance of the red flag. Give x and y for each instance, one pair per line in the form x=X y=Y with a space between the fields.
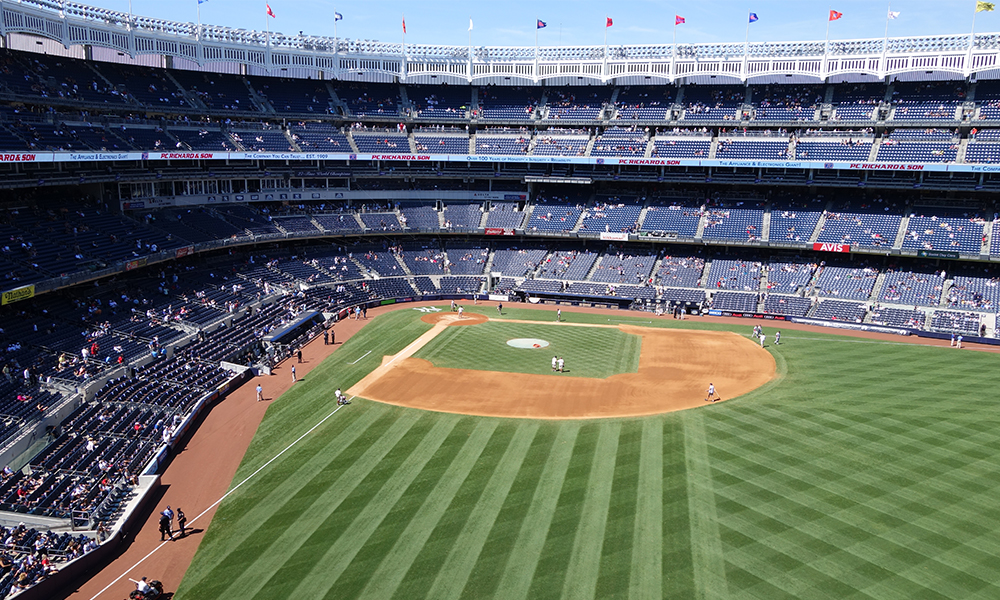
x=404 y=24
x=610 y=23
x=270 y=12
x=834 y=15
x=678 y=20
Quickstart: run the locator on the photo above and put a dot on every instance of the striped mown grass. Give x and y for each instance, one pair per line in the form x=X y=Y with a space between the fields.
x=867 y=470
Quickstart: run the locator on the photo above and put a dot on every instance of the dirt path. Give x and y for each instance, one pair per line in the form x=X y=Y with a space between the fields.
x=204 y=467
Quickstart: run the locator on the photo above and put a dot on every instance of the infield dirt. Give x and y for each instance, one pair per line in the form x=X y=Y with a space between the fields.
x=675 y=369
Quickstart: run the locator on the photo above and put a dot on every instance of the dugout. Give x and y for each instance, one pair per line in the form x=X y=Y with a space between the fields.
x=287 y=334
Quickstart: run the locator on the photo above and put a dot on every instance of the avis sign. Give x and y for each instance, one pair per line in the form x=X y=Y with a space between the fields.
x=844 y=248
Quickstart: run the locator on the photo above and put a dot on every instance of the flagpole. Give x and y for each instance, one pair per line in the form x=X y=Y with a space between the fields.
x=403 y=57
x=885 y=41
x=746 y=47
x=673 y=52
x=972 y=34
x=199 y=20
x=605 y=44
x=826 y=45
x=334 y=31
x=536 y=48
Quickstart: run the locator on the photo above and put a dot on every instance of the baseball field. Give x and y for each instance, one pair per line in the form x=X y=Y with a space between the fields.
x=845 y=467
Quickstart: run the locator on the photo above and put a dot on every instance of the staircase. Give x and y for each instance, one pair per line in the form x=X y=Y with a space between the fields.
x=702 y=222
x=404 y=100
x=987 y=238
x=350 y=138
x=819 y=228
x=875 y=146
x=703 y=282
x=642 y=217
x=945 y=288
x=191 y=99
x=904 y=226
x=765 y=229
x=258 y=99
x=877 y=289
x=594 y=267
x=472 y=143
x=402 y=264
x=650 y=146
x=489 y=262
x=291 y=141
x=963 y=145
x=337 y=102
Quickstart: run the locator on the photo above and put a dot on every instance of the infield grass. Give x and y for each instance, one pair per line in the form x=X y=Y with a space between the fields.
x=867 y=470
x=596 y=352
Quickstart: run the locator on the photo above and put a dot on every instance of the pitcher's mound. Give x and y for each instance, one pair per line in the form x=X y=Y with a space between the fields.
x=450 y=318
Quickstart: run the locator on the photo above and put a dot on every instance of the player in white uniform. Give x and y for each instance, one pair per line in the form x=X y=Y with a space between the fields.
x=561 y=363
x=711 y=393
x=558 y=315
x=555 y=363
x=777 y=338
x=762 y=338
x=461 y=311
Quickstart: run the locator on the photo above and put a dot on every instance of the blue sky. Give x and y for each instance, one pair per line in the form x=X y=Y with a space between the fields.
x=511 y=22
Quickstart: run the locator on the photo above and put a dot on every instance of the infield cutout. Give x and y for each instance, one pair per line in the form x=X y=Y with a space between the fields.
x=527 y=343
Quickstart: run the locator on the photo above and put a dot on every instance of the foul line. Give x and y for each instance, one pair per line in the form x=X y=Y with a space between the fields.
x=365 y=354
x=224 y=496
x=844 y=341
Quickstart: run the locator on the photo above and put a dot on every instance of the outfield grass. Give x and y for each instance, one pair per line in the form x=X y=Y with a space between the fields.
x=596 y=352
x=868 y=470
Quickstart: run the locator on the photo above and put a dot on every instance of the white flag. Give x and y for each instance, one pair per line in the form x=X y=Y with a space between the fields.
x=893 y=15
x=470 y=23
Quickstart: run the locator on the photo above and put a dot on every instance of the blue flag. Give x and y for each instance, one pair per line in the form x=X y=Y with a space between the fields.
x=541 y=24
x=753 y=17
x=202 y=1
x=336 y=16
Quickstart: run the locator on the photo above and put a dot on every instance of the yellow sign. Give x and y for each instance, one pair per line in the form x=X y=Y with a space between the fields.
x=21 y=293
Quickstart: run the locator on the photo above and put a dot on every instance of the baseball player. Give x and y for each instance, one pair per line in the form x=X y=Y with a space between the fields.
x=555 y=363
x=711 y=393
x=461 y=311
x=561 y=363
x=558 y=315
x=959 y=340
x=777 y=337
x=762 y=338
x=260 y=393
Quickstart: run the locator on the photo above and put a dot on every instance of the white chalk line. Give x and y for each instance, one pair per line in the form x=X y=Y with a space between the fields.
x=224 y=496
x=843 y=341
x=365 y=354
